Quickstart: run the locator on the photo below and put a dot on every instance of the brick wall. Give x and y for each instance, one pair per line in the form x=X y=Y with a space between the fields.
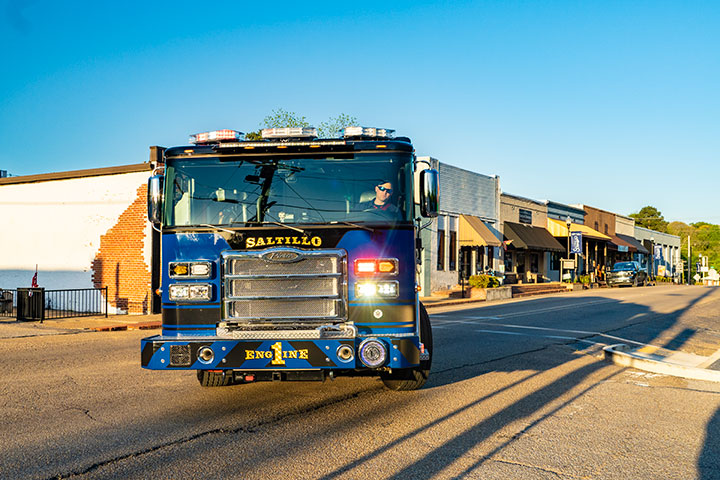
x=120 y=264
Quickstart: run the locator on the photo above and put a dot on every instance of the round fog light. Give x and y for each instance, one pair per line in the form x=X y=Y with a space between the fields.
x=206 y=355
x=345 y=353
x=372 y=352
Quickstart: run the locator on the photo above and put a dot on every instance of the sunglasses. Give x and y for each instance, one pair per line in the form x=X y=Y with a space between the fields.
x=384 y=189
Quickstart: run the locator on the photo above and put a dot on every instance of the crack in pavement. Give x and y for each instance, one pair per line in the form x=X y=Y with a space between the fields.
x=221 y=430
x=557 y=473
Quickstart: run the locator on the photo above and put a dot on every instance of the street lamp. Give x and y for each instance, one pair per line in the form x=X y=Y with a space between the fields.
x=568 y=222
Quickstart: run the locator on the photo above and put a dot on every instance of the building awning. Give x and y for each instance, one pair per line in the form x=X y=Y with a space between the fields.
x=635 y=243
x=472 y=232
x=617 y=243
x=531 y=238
x=559 y=228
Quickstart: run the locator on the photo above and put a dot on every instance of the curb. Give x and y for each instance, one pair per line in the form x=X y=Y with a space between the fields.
x=132 y=326
x=452 y=302
x=619 y=355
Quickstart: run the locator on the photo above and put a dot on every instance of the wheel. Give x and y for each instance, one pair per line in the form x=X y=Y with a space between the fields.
x=214 y=379
x=414 y=378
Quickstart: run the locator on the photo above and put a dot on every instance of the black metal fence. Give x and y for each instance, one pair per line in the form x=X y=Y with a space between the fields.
x=41 y=304
x=76 y=302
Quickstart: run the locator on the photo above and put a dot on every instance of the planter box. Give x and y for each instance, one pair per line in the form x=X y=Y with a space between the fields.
x=498 y=293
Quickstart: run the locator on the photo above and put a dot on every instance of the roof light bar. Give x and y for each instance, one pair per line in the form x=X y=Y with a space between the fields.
x=366 y=132
x=290 y=132
x=217 y=136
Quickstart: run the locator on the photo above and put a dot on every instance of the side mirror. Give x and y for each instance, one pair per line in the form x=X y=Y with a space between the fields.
x=429 y=193
x=155 y=198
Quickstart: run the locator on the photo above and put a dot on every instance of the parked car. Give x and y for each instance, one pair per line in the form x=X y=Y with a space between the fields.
x=626 y=273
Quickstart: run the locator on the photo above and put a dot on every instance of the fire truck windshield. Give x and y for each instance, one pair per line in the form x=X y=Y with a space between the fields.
x=245 y=191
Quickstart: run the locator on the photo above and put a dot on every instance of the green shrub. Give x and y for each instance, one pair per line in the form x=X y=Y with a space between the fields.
x=584 y=279
x=483 y=281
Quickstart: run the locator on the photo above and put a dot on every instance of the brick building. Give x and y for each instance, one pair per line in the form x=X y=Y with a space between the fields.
x=82 y=229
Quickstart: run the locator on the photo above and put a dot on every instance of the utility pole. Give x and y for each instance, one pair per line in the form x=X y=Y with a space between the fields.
x=689 y=261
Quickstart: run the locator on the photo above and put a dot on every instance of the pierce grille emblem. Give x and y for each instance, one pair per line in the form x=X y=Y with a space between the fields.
x=282 y=257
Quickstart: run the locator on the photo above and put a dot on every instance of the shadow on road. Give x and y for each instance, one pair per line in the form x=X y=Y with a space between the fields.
x=554 y=381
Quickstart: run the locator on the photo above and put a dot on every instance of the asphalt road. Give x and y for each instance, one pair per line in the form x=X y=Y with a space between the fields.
x=518 y=390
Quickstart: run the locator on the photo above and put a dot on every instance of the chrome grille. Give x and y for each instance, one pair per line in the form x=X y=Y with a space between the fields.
x=307 y=266
x=285 y=286
x=281 y=308
x=282 y=287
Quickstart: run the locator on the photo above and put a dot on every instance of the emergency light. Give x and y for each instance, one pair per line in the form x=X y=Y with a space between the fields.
x=216 y=136
x=366 y=132
x=290 y=132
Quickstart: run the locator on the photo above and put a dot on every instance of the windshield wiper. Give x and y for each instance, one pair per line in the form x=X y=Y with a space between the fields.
x=287 y=226
x=353 y=225
x=215 y=227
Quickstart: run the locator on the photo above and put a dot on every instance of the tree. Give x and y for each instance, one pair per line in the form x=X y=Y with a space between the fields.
x=650 y=217
x=331 y=128
x=282 y=118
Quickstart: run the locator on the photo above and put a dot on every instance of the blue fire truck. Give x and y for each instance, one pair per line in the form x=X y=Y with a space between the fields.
x=292 y=257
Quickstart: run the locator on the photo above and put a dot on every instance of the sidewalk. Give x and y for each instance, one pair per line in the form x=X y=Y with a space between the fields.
x=651 y=358
x=10 y=327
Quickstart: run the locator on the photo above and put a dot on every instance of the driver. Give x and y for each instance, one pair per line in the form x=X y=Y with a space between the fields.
x=381 y=203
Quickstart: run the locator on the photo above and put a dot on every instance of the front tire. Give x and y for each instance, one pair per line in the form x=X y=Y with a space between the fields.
x=214 y=379
x=414 y=378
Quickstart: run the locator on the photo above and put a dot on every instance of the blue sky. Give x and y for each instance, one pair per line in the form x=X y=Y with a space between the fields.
x=612 y=104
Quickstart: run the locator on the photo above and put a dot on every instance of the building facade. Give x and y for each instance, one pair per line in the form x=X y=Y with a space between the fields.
x=664 y=252
x=465 y=238
x=529 y=247
x=82 y=229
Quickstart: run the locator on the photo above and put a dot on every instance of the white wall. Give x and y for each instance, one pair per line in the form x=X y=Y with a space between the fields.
x=57 y=224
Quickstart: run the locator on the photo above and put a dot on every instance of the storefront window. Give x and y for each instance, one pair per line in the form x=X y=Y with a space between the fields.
x=508 y=262
x=534 y=261
x=441 y=249
x=555 y=261
x=520 y=262
x=453 y=251
x=479 y=260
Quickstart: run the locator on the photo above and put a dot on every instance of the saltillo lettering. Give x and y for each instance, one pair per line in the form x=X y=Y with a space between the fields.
x=252 y=242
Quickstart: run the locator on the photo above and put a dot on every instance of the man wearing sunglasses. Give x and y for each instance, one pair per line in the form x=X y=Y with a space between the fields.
x=381 y=204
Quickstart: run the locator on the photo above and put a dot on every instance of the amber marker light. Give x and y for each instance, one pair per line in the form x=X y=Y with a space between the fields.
x=387 y=266
x=180 y=269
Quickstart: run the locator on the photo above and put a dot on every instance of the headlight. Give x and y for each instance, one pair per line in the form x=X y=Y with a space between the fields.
x=379 y=289
x=189 y=292
x=372 y=352
x=189 y=269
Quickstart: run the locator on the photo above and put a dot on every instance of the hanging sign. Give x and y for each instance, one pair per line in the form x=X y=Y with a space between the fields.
x=576 y=242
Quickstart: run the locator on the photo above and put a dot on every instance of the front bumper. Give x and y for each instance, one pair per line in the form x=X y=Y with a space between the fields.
x=621 y=281
x=174 y=353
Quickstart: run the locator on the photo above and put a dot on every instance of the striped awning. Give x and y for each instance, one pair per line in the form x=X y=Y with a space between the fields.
x=472 y=232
